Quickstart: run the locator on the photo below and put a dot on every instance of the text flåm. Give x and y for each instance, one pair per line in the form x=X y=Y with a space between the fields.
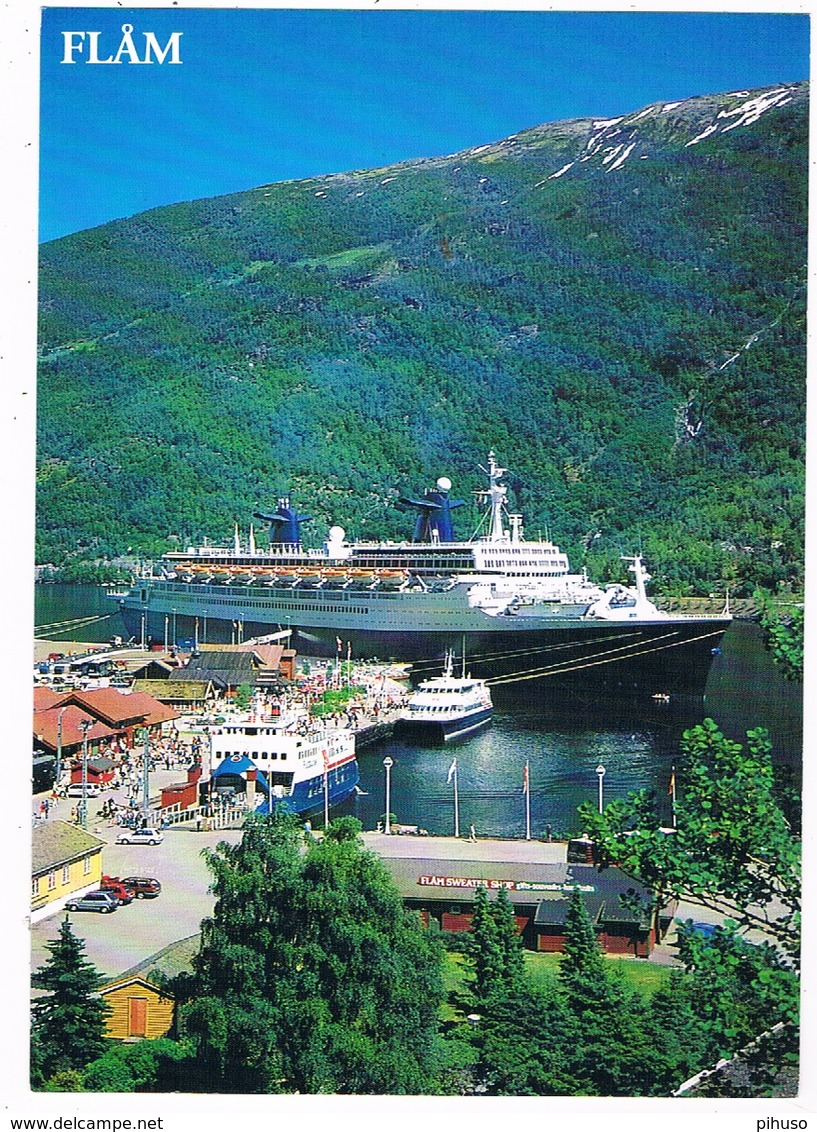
x=85 y=47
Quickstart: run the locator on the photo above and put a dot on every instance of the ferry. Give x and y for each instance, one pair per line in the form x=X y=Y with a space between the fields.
x=447 y=706
x=283 y=758
x=522 y=612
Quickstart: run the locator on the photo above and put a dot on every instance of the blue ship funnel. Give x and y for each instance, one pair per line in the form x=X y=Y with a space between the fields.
x=434 y=522
x=284 y=524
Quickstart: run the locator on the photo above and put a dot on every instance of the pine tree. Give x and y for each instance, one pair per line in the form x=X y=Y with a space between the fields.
x=486 y=950
x=509 y=940
x=582 y=969
x=68 y=1026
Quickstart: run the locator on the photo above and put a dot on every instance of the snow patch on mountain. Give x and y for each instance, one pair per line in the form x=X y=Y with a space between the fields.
x=750 y=111
x=620 y=161
x=705 y=134
x=561 y=171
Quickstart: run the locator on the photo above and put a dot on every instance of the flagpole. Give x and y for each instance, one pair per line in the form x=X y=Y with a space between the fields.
x=672 y=793
x=527 y=801
x=456 y=805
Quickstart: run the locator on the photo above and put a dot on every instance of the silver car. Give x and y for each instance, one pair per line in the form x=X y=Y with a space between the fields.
x=96 y=901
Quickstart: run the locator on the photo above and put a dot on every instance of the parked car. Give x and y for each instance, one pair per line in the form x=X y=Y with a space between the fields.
x=92 y=790
x=140 y=837
x=123 y=892
x=96 y=901
x=144 y=888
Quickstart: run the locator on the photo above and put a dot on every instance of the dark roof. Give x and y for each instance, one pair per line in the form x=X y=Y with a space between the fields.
x=225 y=668
x=547 y=885
x=55 y=843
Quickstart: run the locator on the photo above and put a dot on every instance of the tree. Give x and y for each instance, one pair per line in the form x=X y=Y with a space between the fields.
x=145 y=1067
x=69 y=1025
x=243 y=696
x=732 y=849
x=784 y=638
x=582 y=969
x=311 y=977
x=485 y=951
x=609 y=1056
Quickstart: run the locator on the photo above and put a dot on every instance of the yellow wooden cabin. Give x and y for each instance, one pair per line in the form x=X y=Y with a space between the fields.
x=138 y=1010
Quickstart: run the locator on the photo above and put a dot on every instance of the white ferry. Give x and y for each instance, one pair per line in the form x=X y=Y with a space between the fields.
x=448 y=706
x=298 y=762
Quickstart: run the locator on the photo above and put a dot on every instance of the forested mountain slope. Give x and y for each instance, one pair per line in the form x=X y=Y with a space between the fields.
x=616 y=307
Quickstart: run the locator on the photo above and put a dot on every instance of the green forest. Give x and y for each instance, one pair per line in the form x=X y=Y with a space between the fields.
x=628 y=336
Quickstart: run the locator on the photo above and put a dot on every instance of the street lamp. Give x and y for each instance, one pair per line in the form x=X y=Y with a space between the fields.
x=58 y=771
x=85 y=725
x=146 y=775
x=175 y=644
x=388 y=763
x=600 y=771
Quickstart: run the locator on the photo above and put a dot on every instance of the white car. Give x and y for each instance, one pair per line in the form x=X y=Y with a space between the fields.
x=91 y=790
x=140 y=837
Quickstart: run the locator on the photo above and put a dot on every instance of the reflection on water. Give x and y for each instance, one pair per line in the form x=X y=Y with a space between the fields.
x=564 y=739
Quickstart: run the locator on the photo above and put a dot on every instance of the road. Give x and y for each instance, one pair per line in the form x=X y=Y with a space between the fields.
x=133 y=933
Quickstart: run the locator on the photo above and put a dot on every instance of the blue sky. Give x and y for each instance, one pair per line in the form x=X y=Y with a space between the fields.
x=267 y=95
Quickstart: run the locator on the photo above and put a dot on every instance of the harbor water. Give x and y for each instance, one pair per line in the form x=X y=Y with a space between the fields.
x=562 y=739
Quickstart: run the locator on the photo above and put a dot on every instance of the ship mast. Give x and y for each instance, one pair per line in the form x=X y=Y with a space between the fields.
x=495 y=495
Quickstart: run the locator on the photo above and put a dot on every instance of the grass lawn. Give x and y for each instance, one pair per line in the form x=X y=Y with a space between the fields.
x=543 y=967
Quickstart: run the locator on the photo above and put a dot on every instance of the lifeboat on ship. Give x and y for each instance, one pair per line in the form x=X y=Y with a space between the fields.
x=285 y=575
x=361 y=579
x=392 y=579
x=310 y=577
x=335 y=578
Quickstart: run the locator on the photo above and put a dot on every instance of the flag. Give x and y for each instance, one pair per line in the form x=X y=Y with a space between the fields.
x=452 y=769
x=348 y=650
x=526 y=780
x=671 y=789
x=339 y=643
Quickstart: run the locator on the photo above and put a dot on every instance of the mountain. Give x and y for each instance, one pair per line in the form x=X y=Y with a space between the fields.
x=616 y=307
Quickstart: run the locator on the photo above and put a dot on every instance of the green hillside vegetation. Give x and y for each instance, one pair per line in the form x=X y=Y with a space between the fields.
x=346 y=338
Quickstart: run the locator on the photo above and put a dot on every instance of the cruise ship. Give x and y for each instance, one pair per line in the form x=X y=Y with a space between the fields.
x=512 y=603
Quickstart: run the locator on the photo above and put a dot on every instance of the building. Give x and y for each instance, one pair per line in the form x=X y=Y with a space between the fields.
x=443 y=891
x=227 y=669
x=114 y=715
x=138 y=1009
x=183 y=694
x=65 y=861
x=183 y=795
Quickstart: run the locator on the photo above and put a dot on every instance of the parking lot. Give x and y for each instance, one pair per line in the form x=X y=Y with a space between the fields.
x=117 y=942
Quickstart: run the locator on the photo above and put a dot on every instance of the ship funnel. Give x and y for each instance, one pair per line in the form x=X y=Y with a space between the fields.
x=284 y=524
x=434 y=522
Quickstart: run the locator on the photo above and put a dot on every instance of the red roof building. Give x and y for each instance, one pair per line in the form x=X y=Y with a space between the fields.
x=47 y=729
x=115 y=715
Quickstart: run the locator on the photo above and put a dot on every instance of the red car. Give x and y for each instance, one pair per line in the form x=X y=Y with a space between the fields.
x=123 y=892
x=143 y=887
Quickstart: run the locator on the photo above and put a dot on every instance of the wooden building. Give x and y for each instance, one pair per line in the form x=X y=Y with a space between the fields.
x=138 y=1010
x=65 y=861
x=443 y=891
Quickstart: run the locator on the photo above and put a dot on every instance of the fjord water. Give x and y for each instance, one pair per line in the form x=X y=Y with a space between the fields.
x=564 y=739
